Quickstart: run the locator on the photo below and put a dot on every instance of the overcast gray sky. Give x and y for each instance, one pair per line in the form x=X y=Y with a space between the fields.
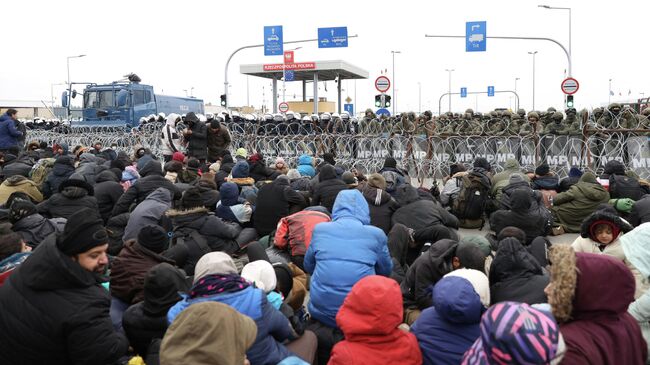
x=176 y=45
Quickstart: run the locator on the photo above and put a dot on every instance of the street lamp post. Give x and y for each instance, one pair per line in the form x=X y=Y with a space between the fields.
x=449 y=90
x=419 y=97
x=533 y=53
x=69 y=84
x=609 y=93
x=394 y=102
x=516 y=79
x=52 y=94
x=561 y=8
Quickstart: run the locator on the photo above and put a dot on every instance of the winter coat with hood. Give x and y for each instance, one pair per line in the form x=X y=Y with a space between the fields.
x=516 y=182
x=546 y=182
x=53 y=299
x=208 y=190
x=231 y=207
x=419 y=213
x=88 y=167
x=425 y=272
x=573 y=206
x=328 y=187
x=523 y=216
x=35 y=228
x=382 y=207
x=9 y=135
x=129 y=269
x=63 y=168
x=197 y=146
x=635 y=247
x=170 y=138
x=150 y=212
x=342 y=252
x=590 y=301
x=273 y=327
x=449 y=328
x=305 y=166
x=152 y=178
x=224 y=170
x=219 y=235
x=147 y=320
x=73 y=195
x=21 y=165
x=22 y=184
x=511 y=167
x=259 y=171
x=274 y=202
x=515 y=275
x=369 y=318
x=108 y=191
x=640 y=211
x=294 y=232
x=218 y=142
x=588 y=243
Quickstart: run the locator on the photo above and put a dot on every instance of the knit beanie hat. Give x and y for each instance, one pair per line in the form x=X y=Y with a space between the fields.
x=480 y=241
x=377 y=181
x=191 y=198
x=214 y=124
x=483 y=163
x=518 y=332
x=83 y=231
x=241 y=152
x=478 y=280
x=214 y=263
x=390 y=162
x=193 y=163
x=153 y=238
x=575 y=172
x=261 y=274
x=348 y=178
x=542 y=170
x=240 y=170
x=284 y=277
x=293 y=174
x=20 y=209
x=178 y=156
x=280 y=160
x=329 y=158
x=456 y=168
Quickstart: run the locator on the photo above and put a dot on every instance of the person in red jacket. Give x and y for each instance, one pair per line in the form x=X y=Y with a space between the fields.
x=589 y=295
x=294 y=232
x=369 y=318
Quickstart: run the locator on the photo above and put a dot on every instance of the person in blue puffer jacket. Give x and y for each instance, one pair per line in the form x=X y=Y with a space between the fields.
x=305 y=166
x=341 y=253
x=9 y=134
x=449 y=328
x=216 y=279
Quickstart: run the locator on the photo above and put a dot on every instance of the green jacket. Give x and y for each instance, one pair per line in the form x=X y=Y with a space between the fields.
x=573 y=206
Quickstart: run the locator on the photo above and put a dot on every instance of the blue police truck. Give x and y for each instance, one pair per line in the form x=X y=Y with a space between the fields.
x=122 y=103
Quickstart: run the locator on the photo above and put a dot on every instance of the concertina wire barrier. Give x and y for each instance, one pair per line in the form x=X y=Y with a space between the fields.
x=421 y=152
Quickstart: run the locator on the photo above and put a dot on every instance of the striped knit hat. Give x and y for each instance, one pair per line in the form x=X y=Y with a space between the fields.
x=515 y=333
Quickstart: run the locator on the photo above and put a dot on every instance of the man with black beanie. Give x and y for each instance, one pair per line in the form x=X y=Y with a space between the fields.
x=197 y=134
x=218 y=139
x=56 y=297
x=136 y=258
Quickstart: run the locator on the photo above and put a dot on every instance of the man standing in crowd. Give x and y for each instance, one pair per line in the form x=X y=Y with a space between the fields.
x=54 y=309
x=9 y=135
x=218 y=139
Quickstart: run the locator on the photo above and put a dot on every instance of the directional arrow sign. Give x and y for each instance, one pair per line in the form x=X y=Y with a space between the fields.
x=332 y=37
x=475 y=35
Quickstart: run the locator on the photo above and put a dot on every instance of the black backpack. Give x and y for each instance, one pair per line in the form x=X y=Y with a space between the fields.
x=191 y=247
x=621 y=186
x=474 y=195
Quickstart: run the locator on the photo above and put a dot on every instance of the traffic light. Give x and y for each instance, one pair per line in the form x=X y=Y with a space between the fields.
x=378 y=101
x=569 y=101
x=223 y=99
x=387 y=101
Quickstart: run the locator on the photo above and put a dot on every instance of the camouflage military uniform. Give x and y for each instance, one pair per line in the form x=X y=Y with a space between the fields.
x=609 y=119
x=629 y=119
x=556 y=126
x=572 y=122
x=529 y=126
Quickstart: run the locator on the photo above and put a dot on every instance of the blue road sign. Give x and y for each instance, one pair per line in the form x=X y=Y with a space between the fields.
x=273 y=44
x=475 y=35
x=463 y=92
x=289 y=75
x=349 y=108
x=332 y=37
x=490 y=90
x=383 y=111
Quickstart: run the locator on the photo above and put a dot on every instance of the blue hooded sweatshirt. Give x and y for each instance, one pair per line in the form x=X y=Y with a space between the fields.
x=305 y=167
x=343 y=252
x=449 y=328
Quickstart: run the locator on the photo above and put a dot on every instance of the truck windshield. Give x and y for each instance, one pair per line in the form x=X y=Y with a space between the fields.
x=99 y=99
